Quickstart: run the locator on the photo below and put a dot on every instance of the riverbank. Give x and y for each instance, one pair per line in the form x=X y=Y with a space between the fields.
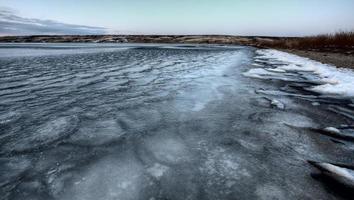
x=340 y=60
x=336 y=49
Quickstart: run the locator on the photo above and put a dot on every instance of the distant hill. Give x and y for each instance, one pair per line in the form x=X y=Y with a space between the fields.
x=196 y=39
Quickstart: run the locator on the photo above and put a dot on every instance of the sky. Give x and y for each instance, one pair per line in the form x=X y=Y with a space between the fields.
x=226 y=17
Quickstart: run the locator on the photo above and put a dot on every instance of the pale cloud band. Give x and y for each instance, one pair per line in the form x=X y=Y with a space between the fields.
x=13 y=24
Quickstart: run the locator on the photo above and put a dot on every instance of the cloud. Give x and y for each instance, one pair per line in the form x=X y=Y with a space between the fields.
x=13 y=24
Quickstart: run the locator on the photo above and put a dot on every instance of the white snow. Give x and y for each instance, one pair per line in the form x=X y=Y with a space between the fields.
x=258 y=73
x=336 y=81
x=332 y=130
x=296 y=68
x=256 y=64
x=276 y=70
x=343 y=175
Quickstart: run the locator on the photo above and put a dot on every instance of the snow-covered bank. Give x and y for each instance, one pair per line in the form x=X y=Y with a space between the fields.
x=334 y=81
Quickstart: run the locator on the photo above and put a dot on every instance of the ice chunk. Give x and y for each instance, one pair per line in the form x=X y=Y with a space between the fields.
x=296 y=68
x=276 y=70
x=256 y=64
x=258 y=73
x=277 y=104
x=332 y=130
x=343 y=89
x=338 y=81
x=336 y=133
x=342 y=111
x=341 y=175
x=270 y=73
x=281 y=93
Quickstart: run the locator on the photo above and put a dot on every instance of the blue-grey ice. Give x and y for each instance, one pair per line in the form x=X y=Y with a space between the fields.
x=134 y=121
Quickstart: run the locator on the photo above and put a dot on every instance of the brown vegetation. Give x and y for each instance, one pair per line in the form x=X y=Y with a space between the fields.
x=338 y=42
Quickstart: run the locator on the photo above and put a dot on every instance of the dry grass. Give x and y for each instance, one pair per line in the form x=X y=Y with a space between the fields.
x=339 y=41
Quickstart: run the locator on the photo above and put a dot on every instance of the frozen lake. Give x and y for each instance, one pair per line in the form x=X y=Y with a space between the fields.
x=107 y=122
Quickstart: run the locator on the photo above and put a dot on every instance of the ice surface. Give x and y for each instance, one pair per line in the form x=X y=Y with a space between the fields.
x=59 y=49
x=46 y=133
x=157 y=170
x=9 y=117
x=163 y=122
x=97 y=133
x=12 y=168
x=167 y=148
x=292 y=119
x=111 y=178
x=269 y=192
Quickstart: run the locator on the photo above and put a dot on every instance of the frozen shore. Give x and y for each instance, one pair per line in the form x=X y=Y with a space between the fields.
x=332 y=80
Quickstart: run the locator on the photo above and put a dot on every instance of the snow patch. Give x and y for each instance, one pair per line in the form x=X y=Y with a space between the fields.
x=337 y=81
x=258 y=73
x=332 y=130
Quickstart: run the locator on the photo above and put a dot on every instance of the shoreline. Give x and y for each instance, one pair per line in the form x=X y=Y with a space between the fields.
x=341 y=58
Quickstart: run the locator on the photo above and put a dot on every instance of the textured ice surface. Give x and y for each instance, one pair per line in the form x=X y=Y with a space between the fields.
x=13 y=167
x=110 y=121
x=110 y=178
x=97 y=133
x=157 y=170
x=44 y=134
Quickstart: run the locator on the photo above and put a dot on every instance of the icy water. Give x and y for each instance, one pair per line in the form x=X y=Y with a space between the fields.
x=117 y=122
